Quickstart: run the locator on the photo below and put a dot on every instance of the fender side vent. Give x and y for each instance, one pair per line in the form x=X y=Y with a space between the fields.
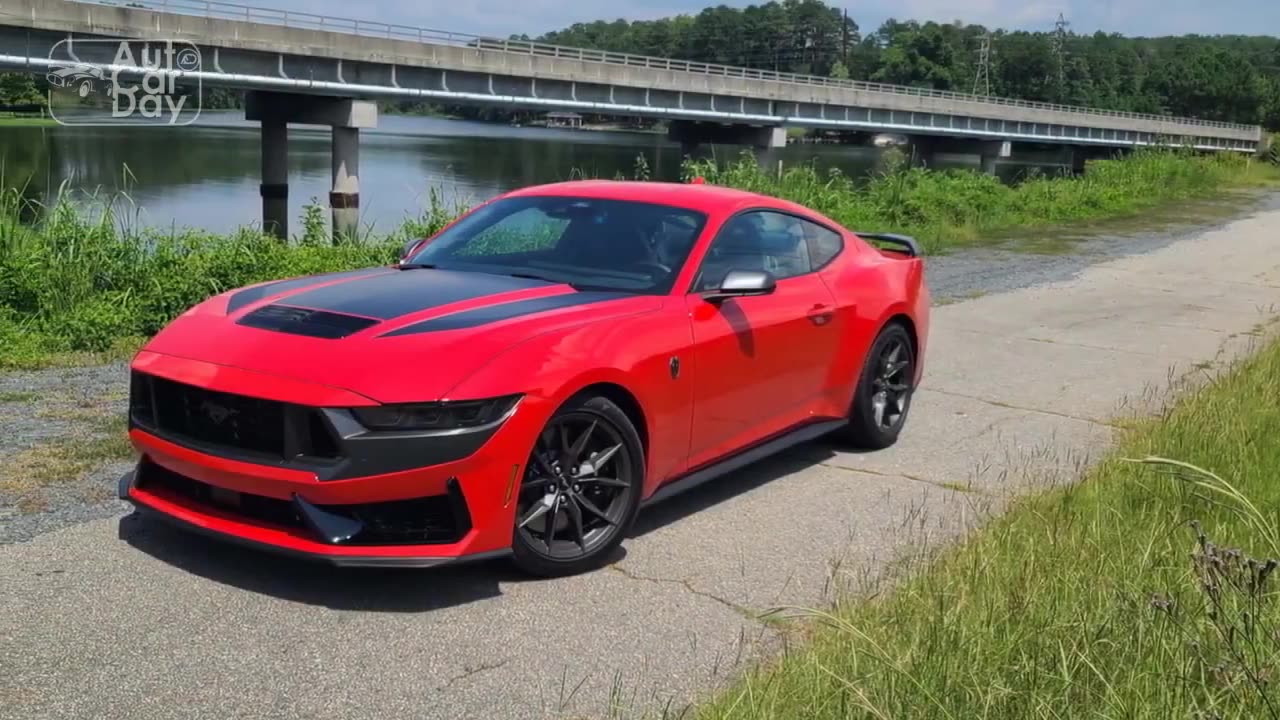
x=301 y=321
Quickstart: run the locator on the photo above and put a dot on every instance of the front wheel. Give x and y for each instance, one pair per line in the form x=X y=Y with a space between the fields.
x=883 y=395
x=580 y=491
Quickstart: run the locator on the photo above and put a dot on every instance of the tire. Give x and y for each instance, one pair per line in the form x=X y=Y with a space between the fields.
x=871 y=428
x=587 y=509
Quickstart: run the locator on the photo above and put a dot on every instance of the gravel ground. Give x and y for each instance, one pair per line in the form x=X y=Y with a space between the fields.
x=57 y=408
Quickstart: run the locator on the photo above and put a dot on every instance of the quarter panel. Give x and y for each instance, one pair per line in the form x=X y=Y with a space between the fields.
x=870 y=289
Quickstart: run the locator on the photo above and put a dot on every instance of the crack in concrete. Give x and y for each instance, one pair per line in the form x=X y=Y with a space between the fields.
x=471 y=671
x=1177 y=276
x=1007 y=406
x=688 y=586
x=1068 y=343
x=954 y=487
x=1088 y=346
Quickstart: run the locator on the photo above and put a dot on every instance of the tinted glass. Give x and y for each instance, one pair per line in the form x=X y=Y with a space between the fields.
x=824 y=244
x=587 y=242
x=761 y=240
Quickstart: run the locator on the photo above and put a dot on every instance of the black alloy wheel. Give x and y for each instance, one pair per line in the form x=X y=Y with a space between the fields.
x=883 y=395
x=580 y=490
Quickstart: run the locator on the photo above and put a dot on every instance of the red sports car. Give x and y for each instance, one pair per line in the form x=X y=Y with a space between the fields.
x=526 y=379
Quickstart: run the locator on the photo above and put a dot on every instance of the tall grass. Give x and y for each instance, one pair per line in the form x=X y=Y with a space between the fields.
x=1146 y=592
x=86 y=279
x=950 y=207
x=81 y=275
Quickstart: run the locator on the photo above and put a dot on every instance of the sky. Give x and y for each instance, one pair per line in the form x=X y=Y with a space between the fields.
x=1130 y=17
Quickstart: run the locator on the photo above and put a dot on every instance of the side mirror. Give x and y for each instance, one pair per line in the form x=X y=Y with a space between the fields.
x=408 y=248
x=742 y=283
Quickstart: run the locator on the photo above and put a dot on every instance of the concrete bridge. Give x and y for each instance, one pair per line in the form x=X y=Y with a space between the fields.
x=313 y=69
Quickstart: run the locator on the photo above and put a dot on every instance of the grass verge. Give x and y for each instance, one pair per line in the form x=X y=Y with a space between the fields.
x=98 y=440
x=81 y=281
x=1146 y=591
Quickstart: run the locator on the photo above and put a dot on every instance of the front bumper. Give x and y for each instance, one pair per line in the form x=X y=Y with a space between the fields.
x=194 y=520
x=403 y=500
x=370 y=521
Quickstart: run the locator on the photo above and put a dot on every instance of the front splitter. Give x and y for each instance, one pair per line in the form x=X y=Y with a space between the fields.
x=369 y=561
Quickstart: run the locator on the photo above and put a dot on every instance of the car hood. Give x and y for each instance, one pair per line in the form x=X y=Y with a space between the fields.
x=390 y=335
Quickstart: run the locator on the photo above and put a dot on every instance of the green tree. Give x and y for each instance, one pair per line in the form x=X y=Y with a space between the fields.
x=21 y=89
x=1227 y=77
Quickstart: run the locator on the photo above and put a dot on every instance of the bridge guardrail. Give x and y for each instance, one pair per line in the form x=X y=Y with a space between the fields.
x=370 y=28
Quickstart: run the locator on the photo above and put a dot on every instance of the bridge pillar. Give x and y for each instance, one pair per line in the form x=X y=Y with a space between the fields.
x=921 y=149
x=1082 y=154
x=771 y=137
x=924 y=148
x=275 y=178
x=344 y=198
x=690 y=134
x=346 y=117
x=1079 y=158
x=991 y=152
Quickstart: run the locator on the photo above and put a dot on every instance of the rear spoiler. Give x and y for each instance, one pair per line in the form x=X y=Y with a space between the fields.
x=906 y=244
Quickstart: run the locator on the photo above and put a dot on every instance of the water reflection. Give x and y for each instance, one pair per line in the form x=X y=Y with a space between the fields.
x=207 y=176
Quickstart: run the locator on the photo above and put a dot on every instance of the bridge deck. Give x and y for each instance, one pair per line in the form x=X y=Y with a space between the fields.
x=270 y=49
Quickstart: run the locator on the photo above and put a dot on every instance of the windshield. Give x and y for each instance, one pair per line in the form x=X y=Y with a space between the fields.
x=590 y=243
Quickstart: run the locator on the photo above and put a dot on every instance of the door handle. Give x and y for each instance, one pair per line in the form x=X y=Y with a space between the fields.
x=821 y=314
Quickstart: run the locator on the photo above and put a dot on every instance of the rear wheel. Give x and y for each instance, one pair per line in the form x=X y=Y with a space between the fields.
x=580 y=491
x=883 y=394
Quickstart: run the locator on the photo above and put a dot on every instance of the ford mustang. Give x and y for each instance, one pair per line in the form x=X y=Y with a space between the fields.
x=525 y=380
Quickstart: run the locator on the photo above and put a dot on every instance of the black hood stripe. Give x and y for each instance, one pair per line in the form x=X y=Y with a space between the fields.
x=408 y=291
x=301 y=321
x=506 y=311
x=254 y=294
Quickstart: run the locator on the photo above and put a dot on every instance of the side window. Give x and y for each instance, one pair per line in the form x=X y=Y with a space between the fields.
x=824 y=244
x=758 y=240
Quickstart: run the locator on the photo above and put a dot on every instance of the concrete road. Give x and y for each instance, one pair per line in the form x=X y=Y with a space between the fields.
x=122 y=619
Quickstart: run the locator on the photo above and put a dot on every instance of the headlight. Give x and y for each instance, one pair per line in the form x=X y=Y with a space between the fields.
x=456 y=415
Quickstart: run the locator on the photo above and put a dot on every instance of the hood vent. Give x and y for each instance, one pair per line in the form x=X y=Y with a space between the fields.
x=301 y=321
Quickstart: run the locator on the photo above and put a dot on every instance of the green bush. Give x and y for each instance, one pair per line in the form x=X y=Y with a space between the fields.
x=943 y=208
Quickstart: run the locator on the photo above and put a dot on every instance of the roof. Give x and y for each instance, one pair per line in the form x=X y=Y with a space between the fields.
x=706 y=198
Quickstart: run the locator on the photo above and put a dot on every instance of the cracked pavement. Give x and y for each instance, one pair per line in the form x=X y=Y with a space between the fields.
x=119 y=618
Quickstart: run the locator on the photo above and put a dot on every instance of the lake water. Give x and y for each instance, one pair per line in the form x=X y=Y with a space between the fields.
x=207 y=175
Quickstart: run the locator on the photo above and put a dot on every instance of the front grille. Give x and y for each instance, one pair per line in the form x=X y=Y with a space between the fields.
x=258 y=427
x=435 y=520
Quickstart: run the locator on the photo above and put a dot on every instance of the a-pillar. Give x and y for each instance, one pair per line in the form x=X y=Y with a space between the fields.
x=344 y=198
x=275 y=178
